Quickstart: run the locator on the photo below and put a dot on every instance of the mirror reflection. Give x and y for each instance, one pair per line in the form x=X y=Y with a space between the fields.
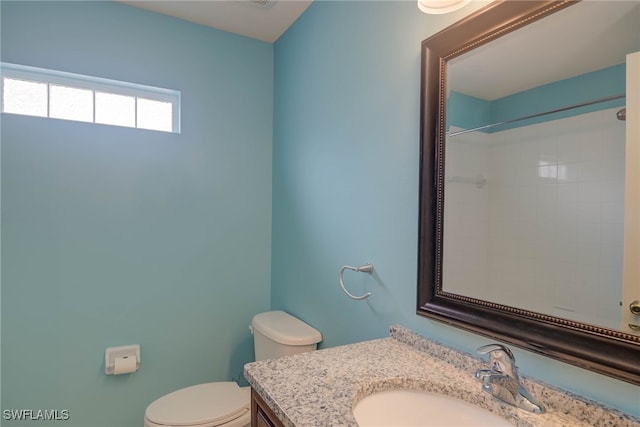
x=535 y=166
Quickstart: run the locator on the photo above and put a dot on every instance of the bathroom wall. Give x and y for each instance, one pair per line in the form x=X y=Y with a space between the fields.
x=114 y=236
x=345 y=185
x=586 y=87
x=555 y=190
x=468 y=112
x=549 y=216
x=557 y=217
x=467 y=214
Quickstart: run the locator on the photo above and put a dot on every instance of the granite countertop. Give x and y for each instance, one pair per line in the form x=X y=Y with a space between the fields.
x=319 y=388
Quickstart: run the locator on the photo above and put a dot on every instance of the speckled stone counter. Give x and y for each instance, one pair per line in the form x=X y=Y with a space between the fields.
x=320 y=388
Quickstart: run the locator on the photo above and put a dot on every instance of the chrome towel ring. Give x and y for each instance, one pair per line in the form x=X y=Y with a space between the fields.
x=366 y=268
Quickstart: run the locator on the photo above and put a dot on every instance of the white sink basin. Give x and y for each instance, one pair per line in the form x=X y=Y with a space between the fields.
x=402 y=407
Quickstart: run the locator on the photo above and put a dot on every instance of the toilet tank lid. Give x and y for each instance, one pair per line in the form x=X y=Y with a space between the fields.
x=285 y=329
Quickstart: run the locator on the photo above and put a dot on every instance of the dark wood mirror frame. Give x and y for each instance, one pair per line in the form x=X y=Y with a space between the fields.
x=605 y=351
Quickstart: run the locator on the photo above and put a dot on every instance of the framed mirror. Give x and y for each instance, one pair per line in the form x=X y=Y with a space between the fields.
x=530 y=179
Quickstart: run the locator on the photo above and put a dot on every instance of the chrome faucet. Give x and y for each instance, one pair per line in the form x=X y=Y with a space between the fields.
x=502 y=379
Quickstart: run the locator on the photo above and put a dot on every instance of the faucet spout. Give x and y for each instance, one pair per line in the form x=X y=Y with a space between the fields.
x=502 y=379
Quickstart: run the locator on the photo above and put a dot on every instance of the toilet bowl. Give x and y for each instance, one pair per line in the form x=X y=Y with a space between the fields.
x=225 y=404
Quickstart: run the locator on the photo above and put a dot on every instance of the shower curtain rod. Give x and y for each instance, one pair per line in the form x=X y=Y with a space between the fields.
x=532 y=116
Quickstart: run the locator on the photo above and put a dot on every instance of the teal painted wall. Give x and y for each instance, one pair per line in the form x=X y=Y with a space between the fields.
x=345 y=181
x=584 y=88
x=469 y=112
x=115 y=236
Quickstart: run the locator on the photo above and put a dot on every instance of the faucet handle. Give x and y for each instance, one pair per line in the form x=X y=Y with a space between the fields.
x=501 y=358
x=496 y=347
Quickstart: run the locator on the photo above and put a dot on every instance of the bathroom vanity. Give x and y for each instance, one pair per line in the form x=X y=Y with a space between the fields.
x=320 y=388
x=261 y=414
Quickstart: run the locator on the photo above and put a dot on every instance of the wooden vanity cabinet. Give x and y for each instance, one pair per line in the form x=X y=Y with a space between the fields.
x=261 y=414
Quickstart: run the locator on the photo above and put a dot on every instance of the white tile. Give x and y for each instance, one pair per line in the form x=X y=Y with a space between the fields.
x=567 y=274
x=528 y=154
x=547 y=151
x=529 y=175
x=589 y=212
x=568 y=150
x=567 y=249
x=611 y=255
x=552 y=212
x=528 y=249
x=545 y=271
x=589 y=233
x=567 y=172
x=612 y=191
x=527 y=212
x=588 y=275
x=567 y=211
x=611 y=275
x=567 y=231
x=590 y=171
x=547 y=173
x=612 y=233
x=588 y=254
x=513 y=228
x=589 y=191
x=510 y=195
x=612 y=212
x=590 y=150
x=547 y=194
x=568 y=192
x=613 y=159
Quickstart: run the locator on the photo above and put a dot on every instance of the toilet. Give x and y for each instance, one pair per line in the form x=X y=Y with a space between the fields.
x=225 y=404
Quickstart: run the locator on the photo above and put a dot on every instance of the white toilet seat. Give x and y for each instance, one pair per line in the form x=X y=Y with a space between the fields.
x=202 y=405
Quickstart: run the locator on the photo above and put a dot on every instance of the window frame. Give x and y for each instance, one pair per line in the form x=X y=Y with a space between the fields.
x=95 y=84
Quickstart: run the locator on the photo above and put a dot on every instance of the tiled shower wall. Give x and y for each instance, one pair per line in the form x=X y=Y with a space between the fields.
x=550 y=217
x=466 y=245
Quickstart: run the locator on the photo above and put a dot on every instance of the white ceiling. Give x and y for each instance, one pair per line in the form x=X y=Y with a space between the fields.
x=600 y=34
x=588 y=36
x=263 y=21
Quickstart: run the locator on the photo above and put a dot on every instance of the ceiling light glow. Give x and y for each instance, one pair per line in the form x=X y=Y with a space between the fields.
x=438 y=7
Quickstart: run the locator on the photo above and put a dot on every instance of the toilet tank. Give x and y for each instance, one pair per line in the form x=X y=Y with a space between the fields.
x=276 y=333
